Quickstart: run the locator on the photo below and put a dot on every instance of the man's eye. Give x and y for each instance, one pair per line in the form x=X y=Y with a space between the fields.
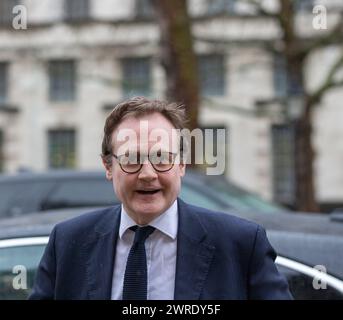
x=133 y=159
x=154 y=157
x=128 y=159
x=163 y=158
x=166 y=157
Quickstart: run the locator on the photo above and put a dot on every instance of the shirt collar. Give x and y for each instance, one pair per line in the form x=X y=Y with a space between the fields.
x=166 y=222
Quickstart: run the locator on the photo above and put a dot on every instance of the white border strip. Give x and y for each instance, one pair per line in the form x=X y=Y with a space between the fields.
x=19 y=242
x=312 y=272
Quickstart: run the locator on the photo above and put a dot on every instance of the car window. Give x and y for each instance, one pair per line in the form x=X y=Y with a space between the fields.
x=10 y=257
x=243 y=200
x=21 y=197
x=78 y=192
x=31 y=195
x=315 y=249
x=198 y=198
x=305 y=287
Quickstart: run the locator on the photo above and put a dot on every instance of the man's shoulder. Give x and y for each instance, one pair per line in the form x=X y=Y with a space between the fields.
x=218 y=217
x=223 y=225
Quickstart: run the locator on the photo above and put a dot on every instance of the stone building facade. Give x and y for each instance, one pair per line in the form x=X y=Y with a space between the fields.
x=76 y=59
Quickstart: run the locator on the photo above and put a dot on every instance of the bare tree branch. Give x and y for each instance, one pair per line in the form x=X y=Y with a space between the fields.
x=329 y=81
x=336 y=84
x=335 y=36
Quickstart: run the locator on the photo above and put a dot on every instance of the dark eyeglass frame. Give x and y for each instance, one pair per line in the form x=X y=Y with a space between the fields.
x=141 y=164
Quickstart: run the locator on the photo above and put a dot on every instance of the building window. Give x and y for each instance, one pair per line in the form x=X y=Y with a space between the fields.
x=6 y=11
x=3 y=82
x=136 y=77
x=220 y=6
x=62 y=80
x=283 y=163
x=212 y=75
x=284 y=83
x=304 y=5
x=144 y=9
x=76 y=10
x=62 y=148
x=280 y=76
x=1 y=151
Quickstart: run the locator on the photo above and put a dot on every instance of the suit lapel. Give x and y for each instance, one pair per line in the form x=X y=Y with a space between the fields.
x=99 y=253
x=194 y=255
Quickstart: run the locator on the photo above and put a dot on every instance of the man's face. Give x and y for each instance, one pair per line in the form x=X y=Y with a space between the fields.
x=147 y=193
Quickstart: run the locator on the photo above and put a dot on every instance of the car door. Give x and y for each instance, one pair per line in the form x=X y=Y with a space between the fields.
x=310 y=283
x=19 y=259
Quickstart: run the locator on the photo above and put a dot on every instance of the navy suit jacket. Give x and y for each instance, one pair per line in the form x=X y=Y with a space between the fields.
x=219 y=256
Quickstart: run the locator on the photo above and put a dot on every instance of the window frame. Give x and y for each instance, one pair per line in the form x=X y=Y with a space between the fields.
x=144 y=9
x=220 y=84
x=62 y=80
x=215 y=7
x=4 y=67
x=69 y=149
x=282 y=194
x=6 y=14
x=131 y=83
x=77 y=10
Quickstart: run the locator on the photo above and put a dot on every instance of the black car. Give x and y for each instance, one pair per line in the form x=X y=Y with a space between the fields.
x=301 y=255
x=309 y=246
x=31 y=192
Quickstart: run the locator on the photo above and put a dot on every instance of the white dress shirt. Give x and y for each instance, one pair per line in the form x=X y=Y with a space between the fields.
x=160 y=249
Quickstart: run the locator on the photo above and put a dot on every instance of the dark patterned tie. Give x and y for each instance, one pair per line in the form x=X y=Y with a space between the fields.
x=135 y=279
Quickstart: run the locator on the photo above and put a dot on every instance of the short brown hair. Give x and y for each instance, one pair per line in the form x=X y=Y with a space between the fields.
x=138 y=107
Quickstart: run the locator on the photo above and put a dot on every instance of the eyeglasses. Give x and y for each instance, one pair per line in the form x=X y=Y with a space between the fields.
x=133 y=162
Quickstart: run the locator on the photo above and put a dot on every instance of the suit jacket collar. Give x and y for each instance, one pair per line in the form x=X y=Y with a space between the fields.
x=99 y=251
x=194 y=254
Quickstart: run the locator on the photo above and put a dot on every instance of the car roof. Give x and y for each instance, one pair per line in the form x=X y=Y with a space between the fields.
x=290 y=222
x=51 y=174
x=69 y=173
x=295 y=222
x=216 y=189
x=36 y=224
x=310 y=223
x=302 y=240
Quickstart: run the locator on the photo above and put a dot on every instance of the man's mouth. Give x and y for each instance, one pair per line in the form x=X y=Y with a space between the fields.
x=146 y=192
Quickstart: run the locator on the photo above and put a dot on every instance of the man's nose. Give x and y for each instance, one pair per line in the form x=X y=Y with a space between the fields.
x=147 y=172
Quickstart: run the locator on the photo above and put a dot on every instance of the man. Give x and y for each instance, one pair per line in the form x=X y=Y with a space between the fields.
x=153 y=245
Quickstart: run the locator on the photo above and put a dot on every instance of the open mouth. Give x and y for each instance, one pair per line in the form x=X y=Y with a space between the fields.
x=145 y=192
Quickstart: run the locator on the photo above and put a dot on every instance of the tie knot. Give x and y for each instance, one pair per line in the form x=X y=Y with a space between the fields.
x=142 y=233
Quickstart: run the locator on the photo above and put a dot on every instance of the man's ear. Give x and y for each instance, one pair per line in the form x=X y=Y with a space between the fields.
x=108 y=169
